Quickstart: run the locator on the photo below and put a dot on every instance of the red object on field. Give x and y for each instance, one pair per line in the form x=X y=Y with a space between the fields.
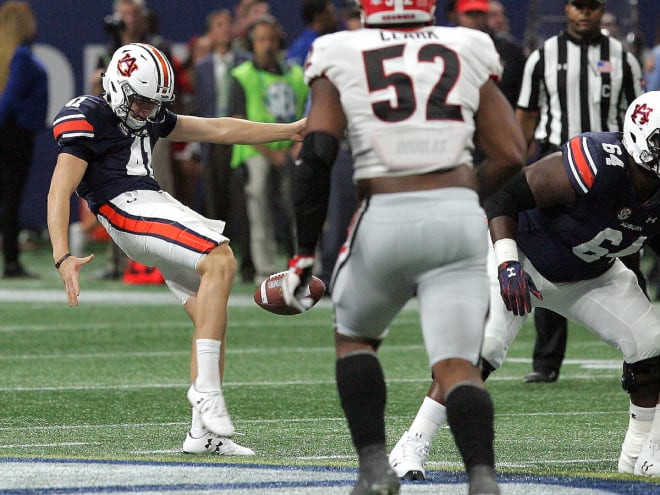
x=137 y=273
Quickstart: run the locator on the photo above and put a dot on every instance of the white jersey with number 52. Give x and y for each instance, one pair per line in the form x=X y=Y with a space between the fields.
x=409 y=96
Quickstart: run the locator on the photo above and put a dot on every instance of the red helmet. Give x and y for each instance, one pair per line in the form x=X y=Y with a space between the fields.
x=383 y=12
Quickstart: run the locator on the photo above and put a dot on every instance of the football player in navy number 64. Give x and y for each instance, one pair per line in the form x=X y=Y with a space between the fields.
x=410 y=96
x=558 y=230
x=105 y=147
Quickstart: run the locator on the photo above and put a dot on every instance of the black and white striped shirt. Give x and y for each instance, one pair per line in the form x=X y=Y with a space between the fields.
x=579 y=86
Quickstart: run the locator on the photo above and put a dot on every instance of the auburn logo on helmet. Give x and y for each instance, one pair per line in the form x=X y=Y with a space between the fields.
x=126 y=65
x=641 y=114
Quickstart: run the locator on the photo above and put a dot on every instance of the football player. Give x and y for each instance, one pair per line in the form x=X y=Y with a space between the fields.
x=410 y=96
x=105 y=147
x=558 y=229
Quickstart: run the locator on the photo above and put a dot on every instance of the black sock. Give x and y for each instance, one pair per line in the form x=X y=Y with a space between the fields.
x=470 y=415
x=486 y=368
x=362 y=392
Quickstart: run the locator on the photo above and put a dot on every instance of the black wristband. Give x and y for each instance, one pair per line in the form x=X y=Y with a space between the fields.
x=59 y=262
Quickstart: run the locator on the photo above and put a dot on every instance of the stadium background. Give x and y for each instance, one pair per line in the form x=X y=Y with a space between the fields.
x=70 y=34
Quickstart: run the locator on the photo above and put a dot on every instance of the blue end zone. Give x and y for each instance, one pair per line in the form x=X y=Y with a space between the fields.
x=31 y=476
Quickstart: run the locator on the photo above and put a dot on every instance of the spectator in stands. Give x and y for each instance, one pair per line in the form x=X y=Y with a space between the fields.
x=474 y=14
x=223 y=190
x=23 y=107
x=319 y=17
x=132 y=22
x=265 y=89
x=245 y=13
x=186 y=157
x=652 y=65
x=609 y=25
x=498 y=22
x=351 y=17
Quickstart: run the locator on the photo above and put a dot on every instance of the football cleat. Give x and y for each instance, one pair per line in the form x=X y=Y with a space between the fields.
x=212 y=411
x=483 y=481
x=408 y=458
x=632 y=446
x=212 y=444
x=626 y=464
x=376 y=476
x=648 y=462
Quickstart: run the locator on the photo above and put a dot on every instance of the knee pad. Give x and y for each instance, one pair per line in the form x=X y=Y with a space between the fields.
x=642 y=377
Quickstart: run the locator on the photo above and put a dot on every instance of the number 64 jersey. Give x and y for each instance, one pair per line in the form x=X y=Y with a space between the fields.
x=607 y=220
x=409 y=96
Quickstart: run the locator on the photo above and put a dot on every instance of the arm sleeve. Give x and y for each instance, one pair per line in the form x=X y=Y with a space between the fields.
x=311 y=187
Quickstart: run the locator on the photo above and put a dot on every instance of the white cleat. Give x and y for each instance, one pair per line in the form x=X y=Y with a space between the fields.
x=626 y=464
x=212 y=444
x=408 y=458
x=648 y=462
x=212 y=411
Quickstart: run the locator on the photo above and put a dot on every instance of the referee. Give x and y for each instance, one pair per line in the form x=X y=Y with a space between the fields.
x=578 y=81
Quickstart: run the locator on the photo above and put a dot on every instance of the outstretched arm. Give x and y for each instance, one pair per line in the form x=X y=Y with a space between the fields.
x=311 y=186
x=67 y=175
x=228 y=130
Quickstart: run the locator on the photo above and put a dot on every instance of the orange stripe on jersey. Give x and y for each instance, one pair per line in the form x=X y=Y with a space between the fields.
x=162 y=229
x=581 y=162
x=163 y=64
x=79 y=125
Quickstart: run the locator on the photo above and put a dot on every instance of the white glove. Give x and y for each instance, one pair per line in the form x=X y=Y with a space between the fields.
x=295 y=284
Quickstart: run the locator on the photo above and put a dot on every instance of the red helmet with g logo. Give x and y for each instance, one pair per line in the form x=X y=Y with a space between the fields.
x=387 y=12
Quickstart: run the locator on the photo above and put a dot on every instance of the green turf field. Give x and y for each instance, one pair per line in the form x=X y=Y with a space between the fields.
x=107 y=381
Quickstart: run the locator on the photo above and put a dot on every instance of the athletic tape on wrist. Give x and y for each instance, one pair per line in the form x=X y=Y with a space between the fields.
x=505 y=250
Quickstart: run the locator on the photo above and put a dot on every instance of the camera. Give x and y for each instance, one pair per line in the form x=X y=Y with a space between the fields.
x=113 y=24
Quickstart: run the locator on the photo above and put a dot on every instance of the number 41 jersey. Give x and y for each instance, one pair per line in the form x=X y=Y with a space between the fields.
x=409 y=96
x=607 y=220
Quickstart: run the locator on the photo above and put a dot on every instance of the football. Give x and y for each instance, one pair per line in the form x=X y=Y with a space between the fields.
x=268 y=294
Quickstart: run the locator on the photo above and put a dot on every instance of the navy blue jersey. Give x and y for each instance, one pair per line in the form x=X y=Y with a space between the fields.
x=118 y=161
x=607 y=221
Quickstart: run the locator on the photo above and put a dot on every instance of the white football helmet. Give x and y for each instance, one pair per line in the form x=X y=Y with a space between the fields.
x=388 y=12
x=641 y=131
x=140 y=73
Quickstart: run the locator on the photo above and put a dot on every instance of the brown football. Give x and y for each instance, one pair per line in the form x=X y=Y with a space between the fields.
x=268 y=294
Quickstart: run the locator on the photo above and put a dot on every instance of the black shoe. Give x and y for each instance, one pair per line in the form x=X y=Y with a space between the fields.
x=376 y=476
x=413 y=476
x=542 y=376
x=109 y=273
x=482 y=481
x=16 y=270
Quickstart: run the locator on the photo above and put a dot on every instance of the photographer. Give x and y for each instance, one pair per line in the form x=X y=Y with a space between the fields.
x=132 y=22
x=129 y=24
